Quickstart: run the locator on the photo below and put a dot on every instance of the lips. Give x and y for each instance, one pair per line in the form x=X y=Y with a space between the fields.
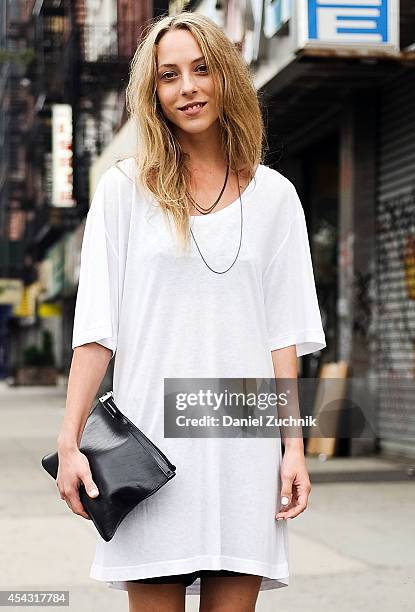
x=187 y=106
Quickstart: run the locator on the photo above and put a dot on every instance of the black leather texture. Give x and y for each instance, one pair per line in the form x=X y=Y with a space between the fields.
x=126 y=466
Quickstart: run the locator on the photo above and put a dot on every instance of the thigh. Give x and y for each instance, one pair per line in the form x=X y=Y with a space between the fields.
x=229 y=592
x=153 y=597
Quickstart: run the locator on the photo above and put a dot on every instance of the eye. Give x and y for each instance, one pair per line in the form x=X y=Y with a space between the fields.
x=163 y=75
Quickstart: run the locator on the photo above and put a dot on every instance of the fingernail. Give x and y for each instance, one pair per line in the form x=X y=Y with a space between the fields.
x=93 y=492
x=284 y=501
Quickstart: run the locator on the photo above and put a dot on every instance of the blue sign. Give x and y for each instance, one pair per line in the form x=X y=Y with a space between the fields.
x=354 y=21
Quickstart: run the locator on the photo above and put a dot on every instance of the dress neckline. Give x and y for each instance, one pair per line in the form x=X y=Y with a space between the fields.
x=248 y=189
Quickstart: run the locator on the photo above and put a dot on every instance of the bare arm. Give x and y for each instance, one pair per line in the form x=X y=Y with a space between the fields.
x=88 y=367
x=295 y=481
x=285 y=366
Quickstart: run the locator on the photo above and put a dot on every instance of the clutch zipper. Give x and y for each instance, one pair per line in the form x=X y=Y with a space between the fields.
x=145 y=442
x=104 y=397
x=148 y=446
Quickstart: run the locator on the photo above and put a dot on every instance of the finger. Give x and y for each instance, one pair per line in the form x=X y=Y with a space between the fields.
x=77 y=507
x=90 y=486
x=284 y=512
x=299 y=507
x=286 y=493
x=81 y=512
x=290 y=514
x=292 y=501
x=287 y=502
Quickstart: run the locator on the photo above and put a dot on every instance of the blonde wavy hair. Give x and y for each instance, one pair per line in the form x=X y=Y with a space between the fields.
x=160 y=160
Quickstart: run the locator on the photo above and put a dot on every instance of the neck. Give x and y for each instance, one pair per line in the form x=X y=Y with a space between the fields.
x=203 y=151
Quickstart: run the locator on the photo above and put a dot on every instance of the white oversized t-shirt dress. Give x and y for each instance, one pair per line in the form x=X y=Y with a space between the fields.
x=164 y=314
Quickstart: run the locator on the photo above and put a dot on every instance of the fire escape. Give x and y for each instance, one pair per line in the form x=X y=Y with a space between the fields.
x=82 y=62
x=14 y=105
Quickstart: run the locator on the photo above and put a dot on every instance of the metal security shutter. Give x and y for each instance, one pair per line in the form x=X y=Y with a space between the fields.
x=395 y=275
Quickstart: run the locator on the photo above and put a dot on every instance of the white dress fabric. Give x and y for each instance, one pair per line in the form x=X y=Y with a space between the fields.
x=164 y=314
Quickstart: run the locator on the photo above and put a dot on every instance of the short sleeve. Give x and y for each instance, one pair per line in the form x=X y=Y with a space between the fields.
x=291 y=305
x=96 y=309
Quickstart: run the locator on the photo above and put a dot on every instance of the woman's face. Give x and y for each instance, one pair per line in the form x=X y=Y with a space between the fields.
x=186 y=80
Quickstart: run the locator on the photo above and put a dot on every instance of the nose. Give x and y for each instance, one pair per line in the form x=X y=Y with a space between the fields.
x=188 y=84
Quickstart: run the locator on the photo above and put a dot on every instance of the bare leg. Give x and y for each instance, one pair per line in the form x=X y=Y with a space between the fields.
x=156 y=597
x=229 y=593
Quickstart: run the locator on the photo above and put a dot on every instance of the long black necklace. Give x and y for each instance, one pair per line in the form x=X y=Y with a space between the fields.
x=240 y=239
x=206 y=211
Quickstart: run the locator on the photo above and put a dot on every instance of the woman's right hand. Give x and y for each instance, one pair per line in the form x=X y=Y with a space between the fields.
x=72 y=470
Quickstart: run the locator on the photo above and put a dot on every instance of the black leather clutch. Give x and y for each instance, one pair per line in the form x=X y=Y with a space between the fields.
x=126 y=466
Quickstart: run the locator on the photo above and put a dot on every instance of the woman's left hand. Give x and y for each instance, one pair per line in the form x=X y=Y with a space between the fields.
x=295 y=482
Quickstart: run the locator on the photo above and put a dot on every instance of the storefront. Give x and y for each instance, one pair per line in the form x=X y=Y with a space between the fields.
x=395 y=271
x=325 y=109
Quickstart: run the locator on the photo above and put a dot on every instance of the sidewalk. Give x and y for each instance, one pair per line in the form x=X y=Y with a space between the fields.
x=360 y=469
x=352 y=548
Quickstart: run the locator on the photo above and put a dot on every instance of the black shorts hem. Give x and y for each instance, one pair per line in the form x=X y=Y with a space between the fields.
x=187 y=579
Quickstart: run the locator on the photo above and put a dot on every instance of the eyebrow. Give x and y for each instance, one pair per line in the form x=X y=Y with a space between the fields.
x=175 y=65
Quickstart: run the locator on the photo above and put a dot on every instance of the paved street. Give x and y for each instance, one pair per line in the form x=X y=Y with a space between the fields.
x=352 y=550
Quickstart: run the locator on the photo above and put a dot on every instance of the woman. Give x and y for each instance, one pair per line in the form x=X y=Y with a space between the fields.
x=236 y=300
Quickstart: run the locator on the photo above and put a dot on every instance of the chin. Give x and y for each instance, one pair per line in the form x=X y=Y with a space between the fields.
x=193 y=127
x=197 y=129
